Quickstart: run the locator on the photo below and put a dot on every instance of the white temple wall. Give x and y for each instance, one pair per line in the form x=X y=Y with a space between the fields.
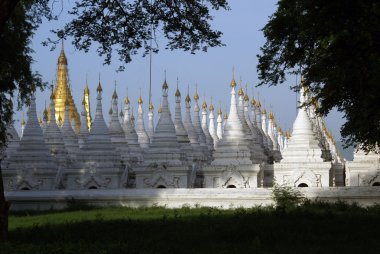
x=176 y=198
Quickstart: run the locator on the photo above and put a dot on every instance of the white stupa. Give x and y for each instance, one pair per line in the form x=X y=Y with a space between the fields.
x=233 y=148
x=150 y=128
x=181 y=132
x=100 y=164
x=117 y=133
x=33 y=163
x=69 y=137
x=143 y=137
x=192 y=134
x=54 y=137
x=211 y=126
x=135 y=151
x=198 y=126
x=219 y=127
x=205 y=128
x=165 y=148
x=83 y=131
x=302 y=164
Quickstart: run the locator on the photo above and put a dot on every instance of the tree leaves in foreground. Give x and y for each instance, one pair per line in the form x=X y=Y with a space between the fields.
x=126 y=27
x=337 y=45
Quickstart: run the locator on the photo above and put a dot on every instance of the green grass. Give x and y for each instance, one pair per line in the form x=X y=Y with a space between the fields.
x=311 y=228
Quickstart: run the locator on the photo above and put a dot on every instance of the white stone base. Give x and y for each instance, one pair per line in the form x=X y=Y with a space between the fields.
x=233 y=176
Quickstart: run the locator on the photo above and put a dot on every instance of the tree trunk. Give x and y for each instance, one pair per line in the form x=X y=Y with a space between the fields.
x=4 y=209
x=6 y=10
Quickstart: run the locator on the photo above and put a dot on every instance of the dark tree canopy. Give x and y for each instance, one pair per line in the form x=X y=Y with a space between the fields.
x=336 y=45
x=125 y=27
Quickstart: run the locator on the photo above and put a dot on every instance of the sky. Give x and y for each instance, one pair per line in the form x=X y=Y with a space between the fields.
x=211 y=71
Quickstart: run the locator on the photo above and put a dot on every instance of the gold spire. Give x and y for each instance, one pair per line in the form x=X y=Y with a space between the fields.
x=188 y=98
x=220 y=109
x=196 y=96
x=165 y=84
x=114 y=95
x=264 y=112
x=160 y=108
x=258 y=104
x=241 y=93
x=253 y=102
x=225 y=116
x=279 y=130
x=52 y=96
x=204 y=104
x=86 y=104
x=99 y=89
x=211 y=105
x=233 y=82
x=139 y=100
x=62 y=93
x=177 y=92
x=23 y=119
x=270 y=115
x=151 y=107
x=127 y=98
x=246 y=98
x=62 y=60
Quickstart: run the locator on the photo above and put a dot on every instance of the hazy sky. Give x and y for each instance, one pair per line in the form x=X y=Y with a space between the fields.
x=211 y=70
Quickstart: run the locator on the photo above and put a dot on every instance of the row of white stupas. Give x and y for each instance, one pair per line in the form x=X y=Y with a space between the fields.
x=241 y=151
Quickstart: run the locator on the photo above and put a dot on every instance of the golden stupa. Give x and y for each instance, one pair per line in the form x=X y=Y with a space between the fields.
x=62 y=93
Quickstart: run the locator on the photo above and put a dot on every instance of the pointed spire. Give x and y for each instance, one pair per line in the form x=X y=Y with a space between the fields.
x=114 y=95
x=99 y=89
x=177 y=92
x=165 y=84
x=233 y=82
x=127 y=98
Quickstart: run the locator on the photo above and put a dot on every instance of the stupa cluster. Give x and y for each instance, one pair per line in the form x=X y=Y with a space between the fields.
x=197 y=148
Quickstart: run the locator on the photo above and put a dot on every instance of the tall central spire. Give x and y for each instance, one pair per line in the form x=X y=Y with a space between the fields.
x=62 y=93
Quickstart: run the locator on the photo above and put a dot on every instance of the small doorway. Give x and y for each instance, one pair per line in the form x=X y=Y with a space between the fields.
x=376 y=184
x=93 y=188
x=161 y=187
x=302 y=185
x=231 y=186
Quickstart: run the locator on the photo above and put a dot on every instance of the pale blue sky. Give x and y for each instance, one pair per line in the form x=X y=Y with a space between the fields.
x=211 y=71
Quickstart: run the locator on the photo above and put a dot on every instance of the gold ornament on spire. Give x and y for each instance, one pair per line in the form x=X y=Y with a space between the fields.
x=177 y=93
x=233 y=82
x=139 y=100
x=225 y=116
x=151 y=107
x=241 y=93
x=264 y=112
x=23 y=119
x=204 y=105
x=165 y=85
x=196 y=96
x=114 y=95
x=99 y=89
x=160 y=108
x=258 y=104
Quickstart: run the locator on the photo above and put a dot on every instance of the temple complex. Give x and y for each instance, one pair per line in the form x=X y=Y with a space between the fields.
x=196 y=147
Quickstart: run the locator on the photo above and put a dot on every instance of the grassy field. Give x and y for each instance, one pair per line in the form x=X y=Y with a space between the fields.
x=311 y=228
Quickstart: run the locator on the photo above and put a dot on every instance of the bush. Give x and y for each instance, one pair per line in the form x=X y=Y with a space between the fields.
x=287 y=198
